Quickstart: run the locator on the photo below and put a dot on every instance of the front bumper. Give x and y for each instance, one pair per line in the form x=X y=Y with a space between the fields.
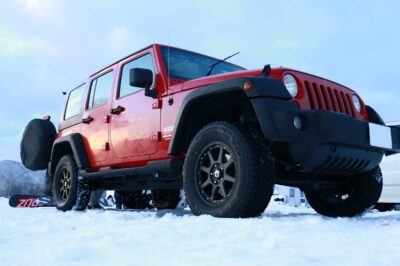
x=327 y=142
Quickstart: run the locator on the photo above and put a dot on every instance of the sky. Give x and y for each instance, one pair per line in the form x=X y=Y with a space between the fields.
x=50 y=46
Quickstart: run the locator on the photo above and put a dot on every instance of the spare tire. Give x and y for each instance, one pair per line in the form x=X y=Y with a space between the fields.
x=36 y=144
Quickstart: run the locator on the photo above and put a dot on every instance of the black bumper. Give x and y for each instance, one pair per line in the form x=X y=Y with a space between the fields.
x=327 y=142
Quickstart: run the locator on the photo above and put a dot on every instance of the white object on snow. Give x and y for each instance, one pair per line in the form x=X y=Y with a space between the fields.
x=390 y=167
x=391 y=179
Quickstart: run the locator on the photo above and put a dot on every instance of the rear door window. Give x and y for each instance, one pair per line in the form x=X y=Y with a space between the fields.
x=74 y=103
x=100 y=90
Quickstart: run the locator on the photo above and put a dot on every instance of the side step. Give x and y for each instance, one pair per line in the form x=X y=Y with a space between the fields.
x=154 y=168
x=163 y=174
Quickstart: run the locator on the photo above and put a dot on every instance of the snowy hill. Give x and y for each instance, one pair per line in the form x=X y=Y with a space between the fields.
x=16 y=179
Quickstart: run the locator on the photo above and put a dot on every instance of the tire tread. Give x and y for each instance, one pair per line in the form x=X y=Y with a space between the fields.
x=261 y=175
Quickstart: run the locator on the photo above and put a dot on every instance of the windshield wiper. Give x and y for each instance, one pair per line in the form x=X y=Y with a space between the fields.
x=220 y=61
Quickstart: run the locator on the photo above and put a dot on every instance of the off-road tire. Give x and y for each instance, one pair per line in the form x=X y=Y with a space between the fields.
x=65 y=194
x=36 y=144
x=83 y=195
x=363 y=189
x=254 y=173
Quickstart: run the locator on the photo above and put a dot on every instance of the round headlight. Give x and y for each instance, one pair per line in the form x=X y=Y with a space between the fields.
x=291 y=84
x=356 y=102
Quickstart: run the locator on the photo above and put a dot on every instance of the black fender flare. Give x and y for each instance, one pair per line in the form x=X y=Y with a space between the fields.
x=263 y=87
x=373 y=116
x=76 y=146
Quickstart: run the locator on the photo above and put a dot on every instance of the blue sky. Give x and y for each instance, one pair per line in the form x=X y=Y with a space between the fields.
x=49 y=46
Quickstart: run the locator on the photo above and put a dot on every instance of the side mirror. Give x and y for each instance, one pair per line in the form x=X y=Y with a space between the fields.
x=142 y=78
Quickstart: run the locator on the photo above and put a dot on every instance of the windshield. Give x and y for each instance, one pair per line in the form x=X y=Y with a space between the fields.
x=186 y=65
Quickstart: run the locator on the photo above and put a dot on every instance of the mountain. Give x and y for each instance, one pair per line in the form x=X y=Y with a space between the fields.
x=16 y=179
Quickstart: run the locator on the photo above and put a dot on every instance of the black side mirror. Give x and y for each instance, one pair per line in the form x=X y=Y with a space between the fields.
x=142 y=78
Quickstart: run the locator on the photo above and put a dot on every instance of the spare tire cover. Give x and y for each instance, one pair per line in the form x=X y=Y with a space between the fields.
x=36 y=144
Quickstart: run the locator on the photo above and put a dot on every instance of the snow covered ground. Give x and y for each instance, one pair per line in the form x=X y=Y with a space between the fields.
x=282 y=236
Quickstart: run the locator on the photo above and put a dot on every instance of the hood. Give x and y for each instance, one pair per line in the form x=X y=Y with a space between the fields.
x=194 y=83
x=275 y=72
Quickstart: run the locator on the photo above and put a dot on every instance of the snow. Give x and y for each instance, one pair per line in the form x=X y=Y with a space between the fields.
x=283 y=235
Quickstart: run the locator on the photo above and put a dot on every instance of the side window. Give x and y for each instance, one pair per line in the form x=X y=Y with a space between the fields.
x=100 y=90
x=145 y=61
x=74 y=103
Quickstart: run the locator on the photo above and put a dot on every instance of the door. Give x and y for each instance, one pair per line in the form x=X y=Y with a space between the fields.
x=96 y=118
x=135 y=123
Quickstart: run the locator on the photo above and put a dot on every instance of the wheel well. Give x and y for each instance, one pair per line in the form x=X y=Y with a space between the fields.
x=59 y=150
x=231 y=106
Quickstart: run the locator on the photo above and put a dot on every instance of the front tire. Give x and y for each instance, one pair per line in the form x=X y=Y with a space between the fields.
x=65 y=183
x=361 y=193
x=227 y=173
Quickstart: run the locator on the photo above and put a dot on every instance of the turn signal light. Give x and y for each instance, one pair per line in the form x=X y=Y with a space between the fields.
x=248 y=86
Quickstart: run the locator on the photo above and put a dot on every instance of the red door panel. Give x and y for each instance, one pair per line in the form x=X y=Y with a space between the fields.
x=135 y=128
x=134 y=131
x=96 y=134
x=96 y=118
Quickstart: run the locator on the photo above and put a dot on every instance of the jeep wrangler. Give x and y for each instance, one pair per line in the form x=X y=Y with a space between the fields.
x=165 y=118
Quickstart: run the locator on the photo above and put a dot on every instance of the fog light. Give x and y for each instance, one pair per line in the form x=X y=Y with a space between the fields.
x=298 y=123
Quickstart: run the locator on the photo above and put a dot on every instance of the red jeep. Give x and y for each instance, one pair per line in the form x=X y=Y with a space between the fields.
x=165 y=118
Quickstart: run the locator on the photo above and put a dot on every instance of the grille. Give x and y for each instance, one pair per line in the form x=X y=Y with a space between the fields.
x=327 y=98
x=342 y=165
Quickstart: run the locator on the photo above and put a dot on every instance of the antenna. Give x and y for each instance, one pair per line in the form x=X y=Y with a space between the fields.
x=168 y=67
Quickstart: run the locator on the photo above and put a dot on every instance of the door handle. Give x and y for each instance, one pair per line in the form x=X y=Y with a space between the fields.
x=117 y=110
x=87 y=120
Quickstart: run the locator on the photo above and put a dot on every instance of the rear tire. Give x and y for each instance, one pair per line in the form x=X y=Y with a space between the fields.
x=65 y=183
x=226 y=172
x=361 y=193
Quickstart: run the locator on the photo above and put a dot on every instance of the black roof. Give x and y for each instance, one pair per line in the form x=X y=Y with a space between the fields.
x=147 y=47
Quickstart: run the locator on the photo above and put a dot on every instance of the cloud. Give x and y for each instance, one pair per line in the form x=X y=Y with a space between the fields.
x=9 y=150
x=11 y=44
x=121 y=40
x=47 y=46
x=14 y=45
x=118 y=38
x=51 y=12
x=41 y=8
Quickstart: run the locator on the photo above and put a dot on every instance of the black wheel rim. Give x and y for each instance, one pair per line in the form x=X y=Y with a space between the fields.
x=216 y=173
x=64 y=186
